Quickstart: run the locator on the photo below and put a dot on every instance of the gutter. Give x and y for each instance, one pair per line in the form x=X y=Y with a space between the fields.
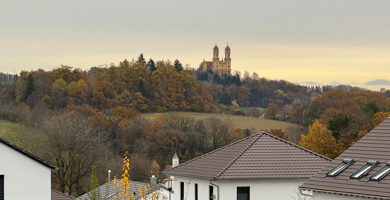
x=217 y=188
x=341 y=193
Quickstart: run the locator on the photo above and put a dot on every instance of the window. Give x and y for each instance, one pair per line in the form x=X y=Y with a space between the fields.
x=1 y=187
x=181 y=190
x=340 y=167
x=379 y=175
x=242 y=193
x=196 y=191
x=211 y=192
x=365 y=169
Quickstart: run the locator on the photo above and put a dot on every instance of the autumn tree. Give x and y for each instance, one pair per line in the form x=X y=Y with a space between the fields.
x=338 y=123
x=278 y=133
x=272 y=111
x=320 y=140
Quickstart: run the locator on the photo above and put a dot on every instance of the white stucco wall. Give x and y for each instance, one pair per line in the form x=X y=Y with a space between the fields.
x=325 y=196
x=282 y=189
x=24 y=178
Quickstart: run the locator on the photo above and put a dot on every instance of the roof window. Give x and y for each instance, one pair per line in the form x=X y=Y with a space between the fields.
x=340 y=167
x=379 y=175
x=365 y=169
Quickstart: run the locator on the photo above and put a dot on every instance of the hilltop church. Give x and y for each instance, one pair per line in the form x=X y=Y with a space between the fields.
x=220 y=67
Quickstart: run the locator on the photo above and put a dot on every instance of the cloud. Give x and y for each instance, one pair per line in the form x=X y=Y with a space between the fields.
x=335 y=83
x=311 y=83
x=378 y=82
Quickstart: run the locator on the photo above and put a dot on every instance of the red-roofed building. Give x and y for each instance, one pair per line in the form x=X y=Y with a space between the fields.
x=219 y=67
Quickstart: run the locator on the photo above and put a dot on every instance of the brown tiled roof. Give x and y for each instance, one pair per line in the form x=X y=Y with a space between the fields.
x=56 y=195
x=163 y=176
x=260 y=156
x=374 y=146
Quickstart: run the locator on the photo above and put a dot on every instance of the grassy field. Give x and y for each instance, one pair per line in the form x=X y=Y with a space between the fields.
x=4 y=128
x=240 y=121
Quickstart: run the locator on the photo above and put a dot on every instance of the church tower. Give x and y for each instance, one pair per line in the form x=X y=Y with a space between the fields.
x=216 y=57
x=227 y=57
x=175 y=160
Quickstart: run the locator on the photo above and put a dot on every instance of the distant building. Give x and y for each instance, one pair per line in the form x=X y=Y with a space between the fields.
x=219 y=67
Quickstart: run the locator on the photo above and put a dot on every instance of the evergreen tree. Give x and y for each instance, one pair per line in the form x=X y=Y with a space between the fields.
x=151 y=66
x=30 y=86
x=141 y=59
x=178 y=65
x=226 y=99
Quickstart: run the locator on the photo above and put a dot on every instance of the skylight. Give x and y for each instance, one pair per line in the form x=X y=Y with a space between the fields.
x=365 y=169
x=340 y=167
x=379 y=175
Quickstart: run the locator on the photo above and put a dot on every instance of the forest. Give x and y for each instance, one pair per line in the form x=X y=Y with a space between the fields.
x=75 y=119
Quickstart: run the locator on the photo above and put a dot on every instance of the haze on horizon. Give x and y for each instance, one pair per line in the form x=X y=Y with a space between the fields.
x=306 y=42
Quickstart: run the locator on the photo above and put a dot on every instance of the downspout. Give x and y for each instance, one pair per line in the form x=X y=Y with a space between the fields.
x=217 y=188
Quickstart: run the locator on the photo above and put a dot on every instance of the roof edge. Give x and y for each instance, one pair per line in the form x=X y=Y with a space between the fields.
x=345 y=193
x=9 y=144
x=211 y=152
x=238 y=156
x=302 y=148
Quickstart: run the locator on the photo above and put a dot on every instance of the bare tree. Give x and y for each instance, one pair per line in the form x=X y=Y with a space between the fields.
x=74 y=144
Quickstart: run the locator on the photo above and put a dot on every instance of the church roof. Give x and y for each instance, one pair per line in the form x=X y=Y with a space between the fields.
x=260 y=156
x=216 y=47
x=209 y=65
x=227 y=48
x=175 y=156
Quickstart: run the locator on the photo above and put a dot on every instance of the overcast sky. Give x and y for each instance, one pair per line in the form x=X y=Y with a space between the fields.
x=303 y=41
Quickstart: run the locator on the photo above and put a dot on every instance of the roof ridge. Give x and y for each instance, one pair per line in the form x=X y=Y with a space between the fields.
x=26 y=153
x=302 y=148
x=212 y=151
x=239 y=155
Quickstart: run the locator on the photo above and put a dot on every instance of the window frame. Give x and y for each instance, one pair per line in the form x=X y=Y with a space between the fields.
x=196 y=191
x=383 y=172
x=211 y=191
x=249 y=191
x=2 y=187
x=181 y=190
x=345 y=163
x=371 y=164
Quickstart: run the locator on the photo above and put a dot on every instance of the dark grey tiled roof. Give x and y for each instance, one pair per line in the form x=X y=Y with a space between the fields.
x=27 y=154
x=56 y=195
x=374 y=146
x=134 y=186
x=260 y=156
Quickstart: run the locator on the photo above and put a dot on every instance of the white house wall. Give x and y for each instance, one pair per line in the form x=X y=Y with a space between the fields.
x=285 y=189
x=24 y=178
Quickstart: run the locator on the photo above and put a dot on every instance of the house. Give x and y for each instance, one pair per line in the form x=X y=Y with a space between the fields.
x=259 y=166
x=107 y=190
x=23 y=175
x=359 y=172
x=57 y=195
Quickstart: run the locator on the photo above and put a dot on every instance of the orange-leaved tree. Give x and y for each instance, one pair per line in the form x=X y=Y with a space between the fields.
x=320 y=140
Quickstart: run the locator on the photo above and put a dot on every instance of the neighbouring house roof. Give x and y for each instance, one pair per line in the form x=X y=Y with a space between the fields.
x=134 y=186
x=163 y=176
x=374 y=146
x=27 y=154
x=260 y=156
x=57 y=195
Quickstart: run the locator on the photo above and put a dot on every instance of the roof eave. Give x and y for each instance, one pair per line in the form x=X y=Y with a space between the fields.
x=235 y=179
x=344 y=193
